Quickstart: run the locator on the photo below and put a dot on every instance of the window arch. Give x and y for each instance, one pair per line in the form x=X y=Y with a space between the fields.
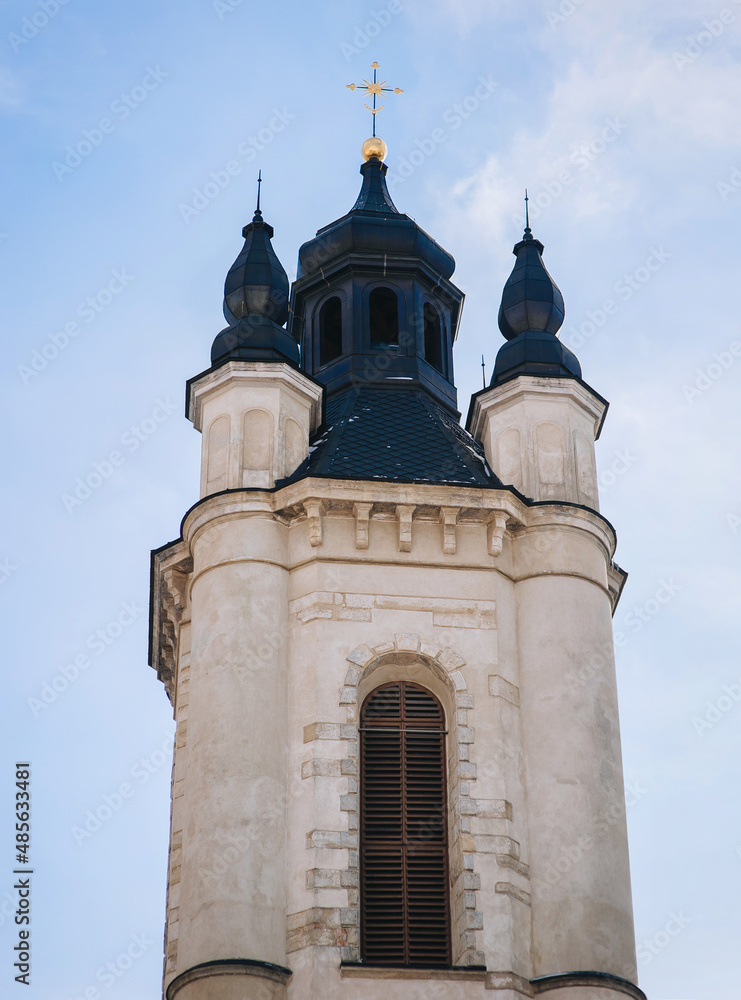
x=403 y=828
x=433 y=338
x=330 y=330
x=383 y=310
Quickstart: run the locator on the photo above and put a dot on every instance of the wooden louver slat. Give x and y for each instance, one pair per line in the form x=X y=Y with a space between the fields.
x=403 y=835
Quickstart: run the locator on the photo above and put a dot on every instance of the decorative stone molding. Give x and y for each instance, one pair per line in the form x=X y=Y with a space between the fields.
x=496 y=527
x=616 y=577
x=230 y=967
x=449 y=519
x=362 y=524
x=446 y=612
x=509 y=981
x=349 y=970
x=325 y=926
x=405 y=513
x=314 y=510
x=170 y=607
x=596 y=980
x=501 y=688
x=173 y=901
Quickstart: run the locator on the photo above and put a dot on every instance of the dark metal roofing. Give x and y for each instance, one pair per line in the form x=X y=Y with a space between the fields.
x=530 y=317
x=255 y=303
x=531 y=299
x=373 y=225
x=394 y=433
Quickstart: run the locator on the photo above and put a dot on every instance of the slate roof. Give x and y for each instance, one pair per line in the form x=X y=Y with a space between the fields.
x=394 y=433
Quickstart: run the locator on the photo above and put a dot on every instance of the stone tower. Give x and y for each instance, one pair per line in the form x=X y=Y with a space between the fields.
x=387 y=641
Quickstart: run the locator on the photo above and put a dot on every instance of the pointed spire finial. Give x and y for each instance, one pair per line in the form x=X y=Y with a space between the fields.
x=528 y=235
x=258 y=213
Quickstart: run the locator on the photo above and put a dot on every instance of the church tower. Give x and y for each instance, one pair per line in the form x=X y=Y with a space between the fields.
x=387 y=641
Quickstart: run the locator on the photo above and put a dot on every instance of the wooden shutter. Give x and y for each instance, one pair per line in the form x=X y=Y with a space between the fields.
x=403 y=829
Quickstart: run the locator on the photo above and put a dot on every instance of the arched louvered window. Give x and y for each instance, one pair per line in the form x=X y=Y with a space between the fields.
x=383 y=308
x=403 y=829
x=330 y=330
x=433 y=337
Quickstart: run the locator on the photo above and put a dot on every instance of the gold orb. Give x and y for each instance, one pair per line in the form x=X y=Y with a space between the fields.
x=375 y=147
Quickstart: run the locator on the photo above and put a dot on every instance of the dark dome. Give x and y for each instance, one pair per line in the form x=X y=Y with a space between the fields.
x=535 y=352
x=530 y=316
x=255 y=303
x=254 y=338
x=257 y=284
x=531 y=299
x=373 y=224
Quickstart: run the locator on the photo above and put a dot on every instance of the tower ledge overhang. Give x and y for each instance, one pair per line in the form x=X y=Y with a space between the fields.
x=464 y=528
x=538 y=387
x=218 y=377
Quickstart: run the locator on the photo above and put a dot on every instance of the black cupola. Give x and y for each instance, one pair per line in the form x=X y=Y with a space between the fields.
x=255 y=303
x=373 y=304
x=530 y=317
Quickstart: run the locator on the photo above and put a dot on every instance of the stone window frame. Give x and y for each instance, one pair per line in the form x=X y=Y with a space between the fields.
x=405 y=650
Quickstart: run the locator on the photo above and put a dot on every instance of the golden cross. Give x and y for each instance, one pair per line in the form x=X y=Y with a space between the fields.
x=376 y=88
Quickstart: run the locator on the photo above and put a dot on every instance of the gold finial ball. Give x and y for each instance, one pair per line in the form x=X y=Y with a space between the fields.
x=375 y=147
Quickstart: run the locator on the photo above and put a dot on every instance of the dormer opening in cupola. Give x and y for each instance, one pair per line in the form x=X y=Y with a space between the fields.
x=433 y=334
x=383 y=312
x=330 y=330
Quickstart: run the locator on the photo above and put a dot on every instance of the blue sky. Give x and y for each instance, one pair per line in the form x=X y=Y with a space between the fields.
x=132 y=136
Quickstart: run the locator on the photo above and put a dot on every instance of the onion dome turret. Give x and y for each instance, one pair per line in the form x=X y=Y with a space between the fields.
x=530 y=317
x=256 y=294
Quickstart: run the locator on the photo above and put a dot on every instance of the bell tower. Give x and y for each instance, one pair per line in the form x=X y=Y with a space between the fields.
x=390 y=778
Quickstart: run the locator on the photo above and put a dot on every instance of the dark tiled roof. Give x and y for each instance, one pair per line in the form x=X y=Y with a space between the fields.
x=394 y=434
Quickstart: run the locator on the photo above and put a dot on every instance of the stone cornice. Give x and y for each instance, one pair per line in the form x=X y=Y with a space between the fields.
x=316 y=502
x=313 y=497
x=233 y=372
x=535 y=387
x=169 y=604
